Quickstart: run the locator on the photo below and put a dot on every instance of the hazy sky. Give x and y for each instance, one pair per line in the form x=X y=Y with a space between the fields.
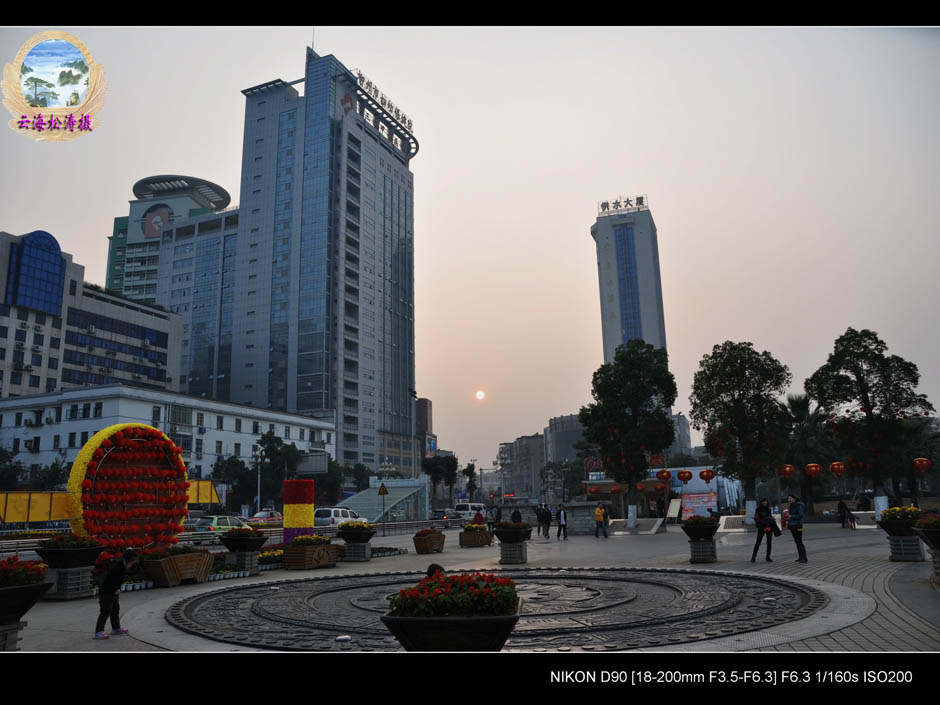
x=792 y=175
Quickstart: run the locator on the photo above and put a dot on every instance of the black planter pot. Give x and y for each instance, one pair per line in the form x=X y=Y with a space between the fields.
x=356 y=535
x=701 y=531
x=512 y=535
x=931 y=537
x=69 y=557
x=17 y=600
x=474 y=633
x=241 y=544
x=898 y=528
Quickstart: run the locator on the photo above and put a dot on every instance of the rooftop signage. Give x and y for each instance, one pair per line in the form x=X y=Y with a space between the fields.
x=622 y=204
x=386 y=104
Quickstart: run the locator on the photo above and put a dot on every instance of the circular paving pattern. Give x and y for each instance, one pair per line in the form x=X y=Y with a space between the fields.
x=575 y=609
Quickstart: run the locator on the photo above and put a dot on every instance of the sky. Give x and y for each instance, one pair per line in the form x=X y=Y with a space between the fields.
x=792 y=175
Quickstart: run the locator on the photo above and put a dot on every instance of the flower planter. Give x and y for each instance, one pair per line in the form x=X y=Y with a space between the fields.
x=701 y=531
x=356 y=535
x=173 y=570
x=429 y=544
x=470 y=633
x=17 y=600
x=61 y=558
x=475 y=539
x=898 y=527
x=931 y=537
x=310 y=557
x=243 y=544
x=512 y=535
x=906 y=548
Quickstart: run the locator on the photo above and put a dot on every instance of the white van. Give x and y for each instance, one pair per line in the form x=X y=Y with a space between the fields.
x=468 y=511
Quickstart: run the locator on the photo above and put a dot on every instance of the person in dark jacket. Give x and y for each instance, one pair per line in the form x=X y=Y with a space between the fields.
x=109 y=594
x=766 y=526
x=516 y=516
x=562 y=517
x=843 y=510
x=546 y=520
x=796 y=526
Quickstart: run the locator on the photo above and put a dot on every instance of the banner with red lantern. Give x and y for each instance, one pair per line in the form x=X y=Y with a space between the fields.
x=128 y=489
x=699 y=504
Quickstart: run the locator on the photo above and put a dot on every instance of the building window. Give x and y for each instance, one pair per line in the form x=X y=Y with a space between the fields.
x=256 y=428
x=19 y=418
x=218 y=447
x=84 y=437
x=98 y=409
x=71 y=440
x=55 y=442
x=218 y=423
x=238 y=425
x=200 y=420
x=198 y=445
x=287 y=432
x=34 y=381
x=238 y=450
x=271 y=428
x=301 y=434
x=16 y=445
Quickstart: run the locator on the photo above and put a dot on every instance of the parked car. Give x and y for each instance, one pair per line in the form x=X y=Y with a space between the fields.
x=267 y=516
x=208 y=528
x=449 y=513
x=332 y=516
x=468 y=511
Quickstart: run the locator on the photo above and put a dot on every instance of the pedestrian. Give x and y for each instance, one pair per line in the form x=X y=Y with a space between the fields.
x=766 y=526
x=562 y=522
x=110 y=592
x=478 y=519
x=843 y=510
x=490 y=519
x=546 y=520
x=538 y=520
x=796 y=526
x=516 y=516
x=599 y=524
x=498 y=514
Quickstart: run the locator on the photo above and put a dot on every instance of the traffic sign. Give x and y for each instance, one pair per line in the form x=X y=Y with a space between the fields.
x=383 y=490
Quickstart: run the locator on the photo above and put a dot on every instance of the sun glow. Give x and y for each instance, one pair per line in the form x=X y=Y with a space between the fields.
x=481 y=395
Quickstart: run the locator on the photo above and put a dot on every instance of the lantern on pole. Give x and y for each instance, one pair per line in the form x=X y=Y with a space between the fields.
x=660 y=487
x=616 y=489
x=787 y=471
x=664 y=476
x=837 y=468
x=921 y=465
x=684 y=476
x=812 y=469
x=594 y=490
x=707 y=475
x=641 y=487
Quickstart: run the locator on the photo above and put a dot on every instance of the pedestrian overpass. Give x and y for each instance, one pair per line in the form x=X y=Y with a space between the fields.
x=407 y=500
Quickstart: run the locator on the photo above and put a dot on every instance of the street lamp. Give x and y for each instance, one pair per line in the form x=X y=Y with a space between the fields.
x=258 y=459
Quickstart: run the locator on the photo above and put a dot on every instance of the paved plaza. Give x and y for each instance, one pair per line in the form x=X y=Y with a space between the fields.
x=629 y=592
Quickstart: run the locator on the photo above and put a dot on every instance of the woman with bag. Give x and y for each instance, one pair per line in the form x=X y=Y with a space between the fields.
x=766 y=526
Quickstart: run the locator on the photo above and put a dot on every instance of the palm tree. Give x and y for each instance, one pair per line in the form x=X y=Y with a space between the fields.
x=809 y=442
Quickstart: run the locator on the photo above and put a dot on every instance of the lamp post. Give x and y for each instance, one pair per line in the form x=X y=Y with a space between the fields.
x=258 y=459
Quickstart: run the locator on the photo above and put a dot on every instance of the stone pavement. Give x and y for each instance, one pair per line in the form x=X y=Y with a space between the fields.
x=874 y=604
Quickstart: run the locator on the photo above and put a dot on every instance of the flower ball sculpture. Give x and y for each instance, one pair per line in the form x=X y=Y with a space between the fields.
x=127 y=489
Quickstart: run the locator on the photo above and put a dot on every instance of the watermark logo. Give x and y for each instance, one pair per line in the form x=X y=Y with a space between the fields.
x=53 y=88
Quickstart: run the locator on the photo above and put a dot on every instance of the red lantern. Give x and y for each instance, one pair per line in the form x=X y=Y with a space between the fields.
x=660 y=487
x=664 y=476
x=837 y=468
x=787 y=471
x=641 y=487
x=707 y=475
x=812 y=469
x=921 y=465
x=616 y=489
x=684 y=476
x=594 y=490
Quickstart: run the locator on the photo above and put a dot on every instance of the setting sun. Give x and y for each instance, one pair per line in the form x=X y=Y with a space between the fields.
x=481 y=394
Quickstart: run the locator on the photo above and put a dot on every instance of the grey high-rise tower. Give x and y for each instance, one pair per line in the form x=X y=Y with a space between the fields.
x=324 y=296
x=628 y=273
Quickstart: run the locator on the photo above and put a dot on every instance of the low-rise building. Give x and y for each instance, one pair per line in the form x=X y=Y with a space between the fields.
x=43 y=428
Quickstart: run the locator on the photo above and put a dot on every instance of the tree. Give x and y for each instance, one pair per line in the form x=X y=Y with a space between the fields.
x=433 y=468
x=470 y=473
x=36 y=83
x=867 y=396
x=629 y=419
x=361 y=475
x=329 y=487
x=809 y=441
x=240 y=478
x=681 y=460
x=11 y=470
x=51 y=477
x=734 y=400
x=450 y=465
x=919 y=439
x=568 y=474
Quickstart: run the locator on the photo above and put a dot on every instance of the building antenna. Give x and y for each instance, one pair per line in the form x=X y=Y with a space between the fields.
x=313 y=35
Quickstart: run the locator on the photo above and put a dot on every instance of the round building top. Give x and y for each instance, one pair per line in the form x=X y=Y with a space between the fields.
x=170 y=185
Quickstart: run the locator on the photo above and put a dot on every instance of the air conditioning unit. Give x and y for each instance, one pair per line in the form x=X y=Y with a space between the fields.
x=19 y=345
x=28 y=368
x=27 y=422
x=146 y=343
x=24 y=324
x=37 y=348
x=202 y=429
x=29 y=444
x=38 y=327
x=91 y=329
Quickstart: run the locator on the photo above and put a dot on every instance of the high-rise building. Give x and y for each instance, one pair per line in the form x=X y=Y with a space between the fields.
x=323 y=296
x=134 y=246
x=561 y=435
x=628 y=273
x=57 y=331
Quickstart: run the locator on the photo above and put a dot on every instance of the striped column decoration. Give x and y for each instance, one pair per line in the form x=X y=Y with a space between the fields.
x=298 y=509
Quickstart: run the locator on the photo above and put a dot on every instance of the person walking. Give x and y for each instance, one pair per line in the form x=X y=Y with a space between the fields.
x=562 y=522
x=766 y=526
x=599 y=524
x=546 y=520
x=498 y=514
x=109 y=594
x=490 y=519
x=843 y=510
x=796 y=526
x=538 y=520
